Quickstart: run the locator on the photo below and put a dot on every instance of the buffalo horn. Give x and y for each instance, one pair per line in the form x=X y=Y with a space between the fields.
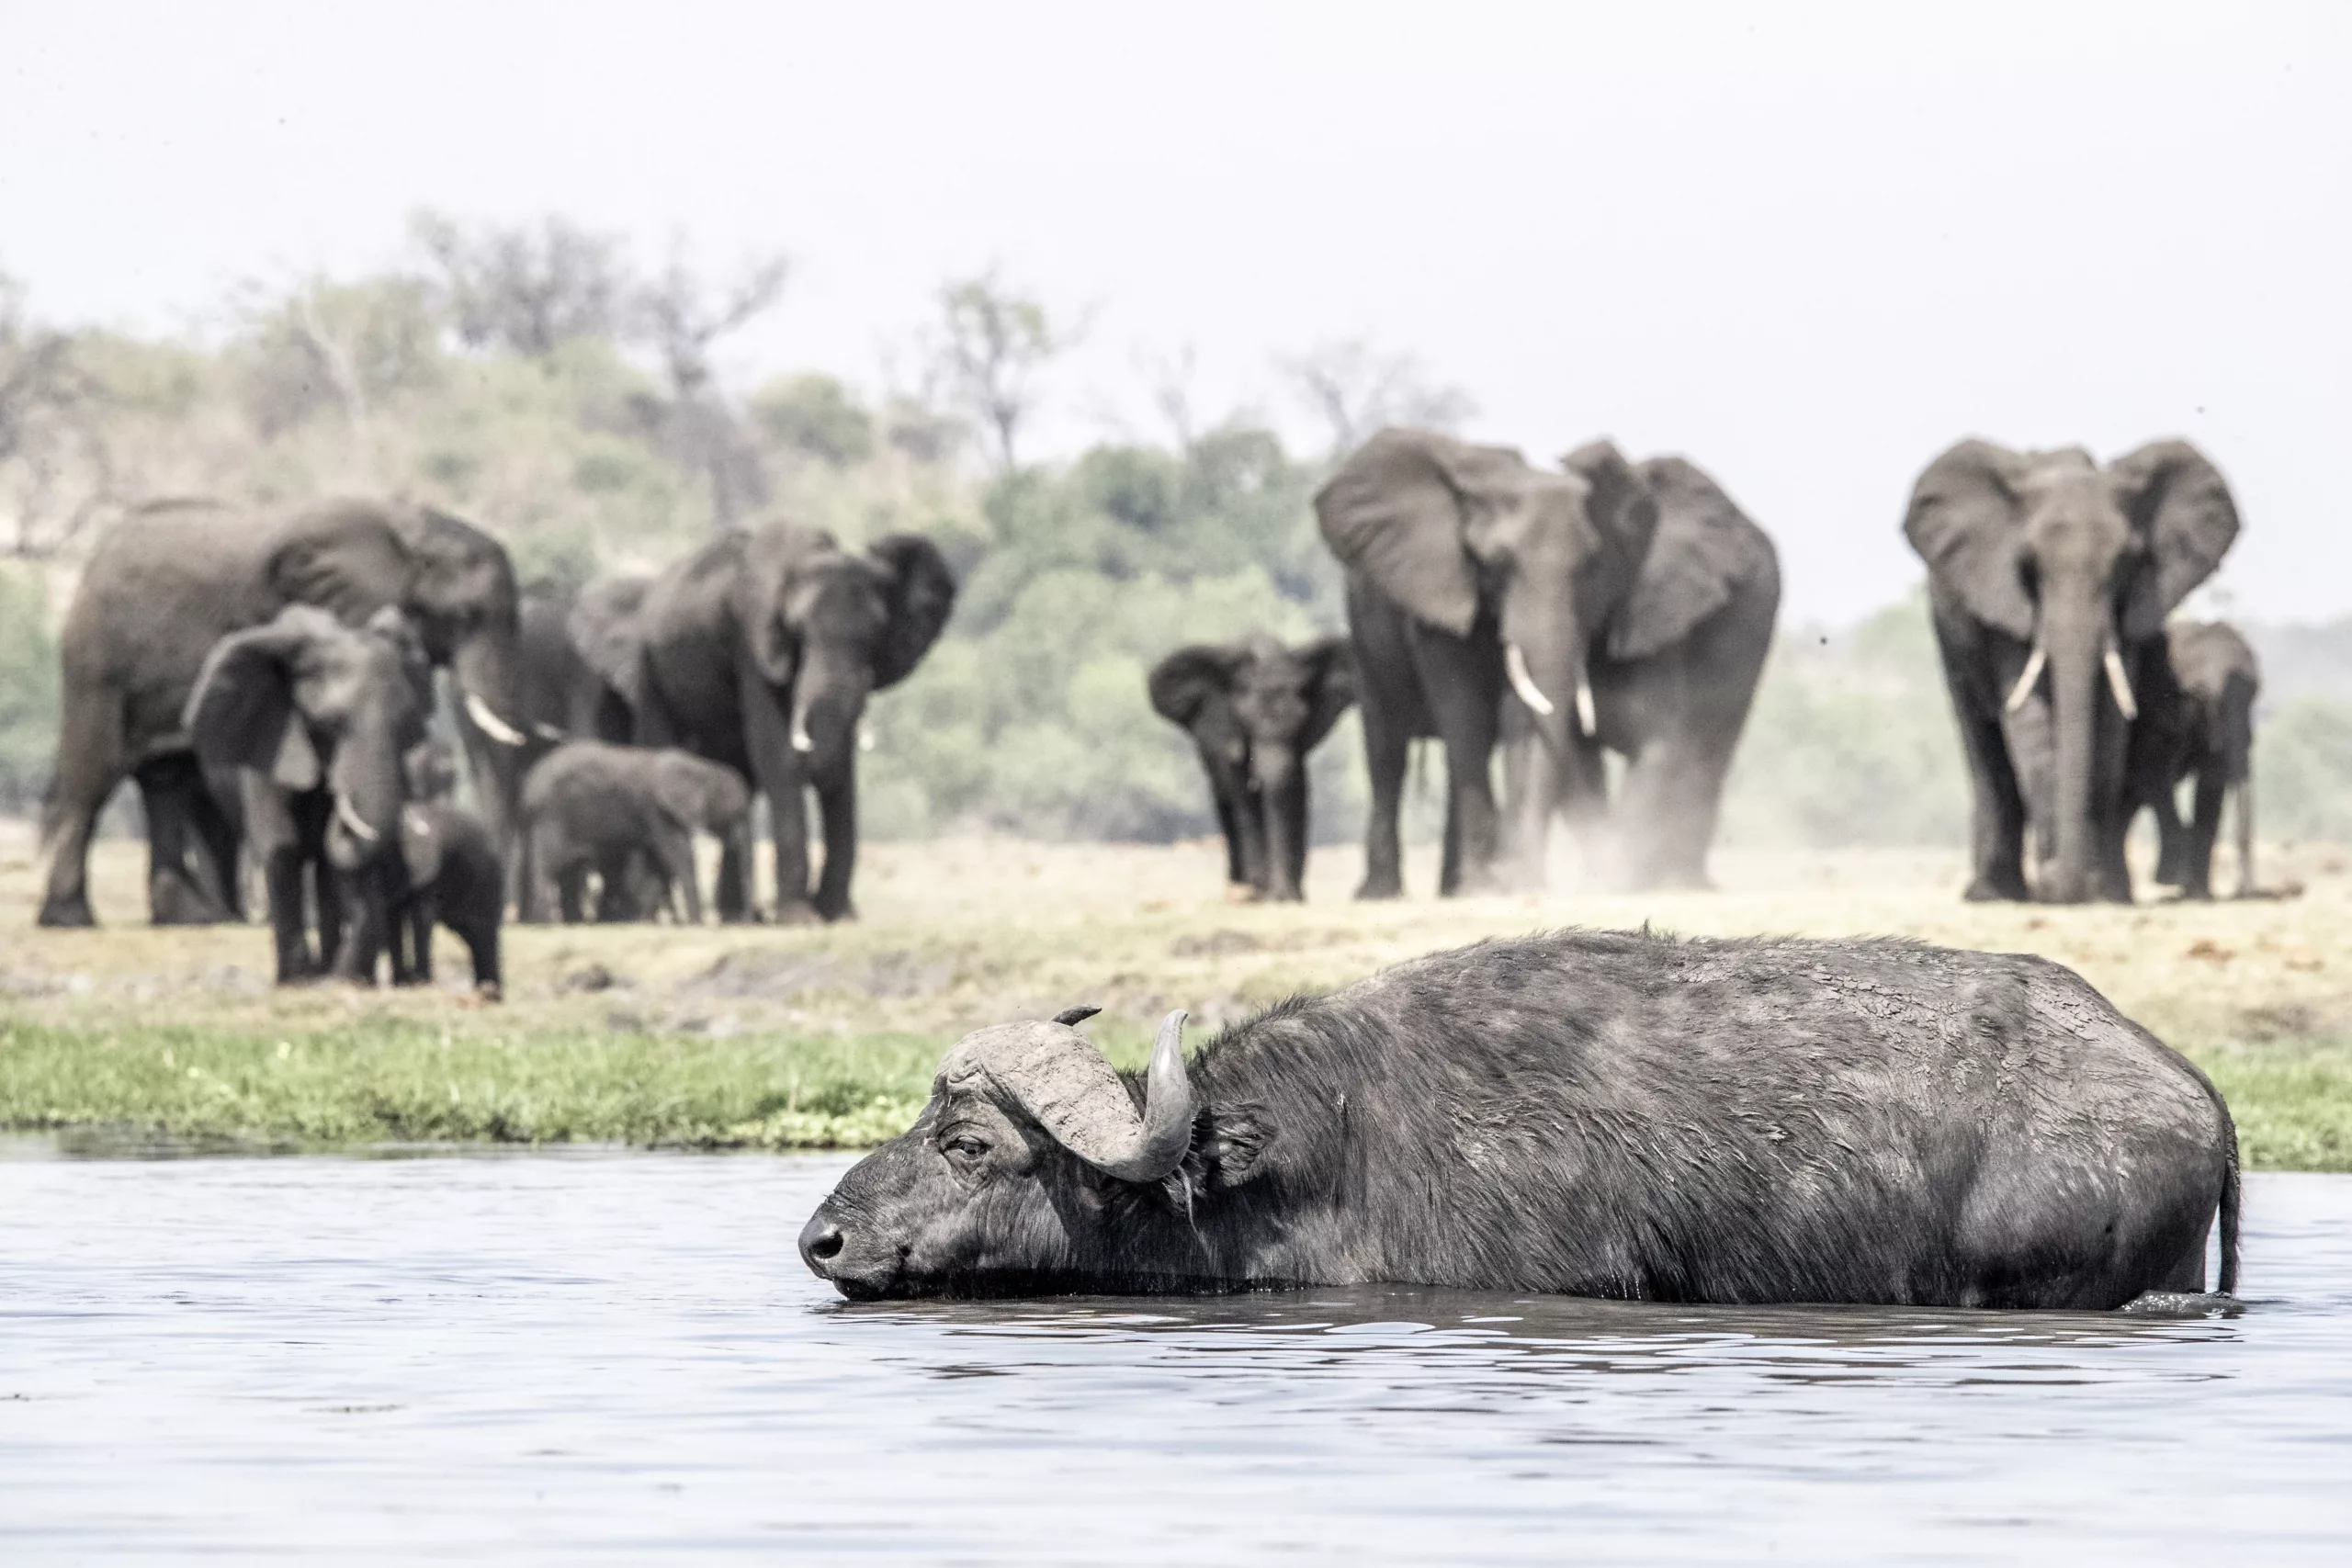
x=1052 y=1072
x=1515 y=666
x=486 y=720
x=2024 y=688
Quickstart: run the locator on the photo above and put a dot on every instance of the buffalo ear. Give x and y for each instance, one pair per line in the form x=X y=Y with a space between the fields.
x=1230 y=1140
x=1400 y=510
x=1965 y=521
x=1194 y=679
x=921 y=593
x=1331 y=687
x=1700 y=553
x=242 y=712
x=343 y=556
x=2180 y=505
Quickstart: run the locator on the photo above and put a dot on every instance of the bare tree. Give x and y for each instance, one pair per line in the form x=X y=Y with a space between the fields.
x=1355 y=389
x=992 y=344
x=682 y=317
x=56 y=470
x=314 y=345
x=526 y=288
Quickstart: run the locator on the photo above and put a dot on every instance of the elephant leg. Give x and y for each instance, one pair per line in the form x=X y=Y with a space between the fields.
x=572 y=887
x=90 y=763
x=1249 y=817
x=837 y=810
x=1225 y=789
x=2205 y=827
x=421 y=917
x=673 y=851
x=781 y=779
x=1466 y=710
x=220 y=849
x=1998 y=815
x=368 y=896
x=615 y=899
x=173 y=900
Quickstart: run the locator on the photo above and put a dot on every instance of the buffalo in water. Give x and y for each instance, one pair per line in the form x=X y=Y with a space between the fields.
x=1594 y=1113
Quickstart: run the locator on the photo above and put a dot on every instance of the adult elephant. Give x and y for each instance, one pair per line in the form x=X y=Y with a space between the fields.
x=1471 y=572
x=310 y=721
x=171 y=579
x=1254 y=710
x=759 y=651
x=2049 y=579
x=1672 y=675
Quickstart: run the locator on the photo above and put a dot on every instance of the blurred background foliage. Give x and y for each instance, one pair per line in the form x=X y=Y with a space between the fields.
x=538 y=380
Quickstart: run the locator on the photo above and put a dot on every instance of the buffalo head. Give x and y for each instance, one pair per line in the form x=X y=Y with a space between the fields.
x=1020 y=1171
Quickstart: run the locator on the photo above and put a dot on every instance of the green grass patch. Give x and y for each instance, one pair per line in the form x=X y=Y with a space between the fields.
x=391 y=1079
x=2292 y=1101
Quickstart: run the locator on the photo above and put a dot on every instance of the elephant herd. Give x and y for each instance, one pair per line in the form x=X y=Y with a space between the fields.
x=269 y=685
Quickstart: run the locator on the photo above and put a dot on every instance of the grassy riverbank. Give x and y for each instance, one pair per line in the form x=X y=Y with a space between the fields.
x=771 y=1038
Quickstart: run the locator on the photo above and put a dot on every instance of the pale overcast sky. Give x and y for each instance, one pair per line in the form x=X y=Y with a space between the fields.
x=1808 y=246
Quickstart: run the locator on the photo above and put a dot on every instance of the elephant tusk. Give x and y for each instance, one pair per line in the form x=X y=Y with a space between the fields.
x=348 y=815
x=864 y=737
x=490 y=723
x=1515 y=666
x=2024 y=688
x=547 y=731
x=1586 y=719
x=801 y=741
x=2119 y=684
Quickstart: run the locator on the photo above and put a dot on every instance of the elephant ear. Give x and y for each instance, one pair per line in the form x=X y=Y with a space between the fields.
x=2180 y=505
x=462 y=580
x=345 y=556
x=242 y=712
x=765 y=564
x=602 y=629
x=1195 y=681
x=1703 y=550
x=921 y=593
x=1331 y=687
x=1400 y=512
x=1965 y=521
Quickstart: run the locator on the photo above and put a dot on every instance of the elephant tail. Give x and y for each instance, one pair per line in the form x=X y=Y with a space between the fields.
x=2228 y=1284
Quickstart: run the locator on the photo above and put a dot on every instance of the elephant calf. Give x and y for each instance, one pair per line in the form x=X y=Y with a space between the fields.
x=456 y=878
x=2197 y=722
x=591 y=806
x=1255 y=709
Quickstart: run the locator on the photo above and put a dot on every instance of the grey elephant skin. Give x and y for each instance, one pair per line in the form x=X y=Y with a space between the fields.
x=569 y=653
x=2197 y=724
x=2049 y=579
x=759 y=651
x=308 y=721
x=590 y=807
x=1610 y=619
x=1255 y=709
x=456 y=878
x=1593 y=1113
x=166 y=583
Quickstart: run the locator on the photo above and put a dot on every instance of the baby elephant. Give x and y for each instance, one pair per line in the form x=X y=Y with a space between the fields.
x=592 y=806
x=1255 y=709
x=2197 y=722
x=455 y=877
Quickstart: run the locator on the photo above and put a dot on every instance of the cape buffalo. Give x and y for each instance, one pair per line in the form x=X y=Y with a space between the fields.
x=1592 y=1112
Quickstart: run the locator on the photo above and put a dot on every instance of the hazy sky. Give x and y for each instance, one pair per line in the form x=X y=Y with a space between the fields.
x=1809 y=247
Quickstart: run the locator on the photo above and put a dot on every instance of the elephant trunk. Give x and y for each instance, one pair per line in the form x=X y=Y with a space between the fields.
x=2078 y=648
x=482 y=668
x=1545 y=666
x=365 y=778
x=827 y=699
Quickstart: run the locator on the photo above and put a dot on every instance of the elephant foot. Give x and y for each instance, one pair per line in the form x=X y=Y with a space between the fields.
x=66 y=914
x=799 y=912
x=1240 y=893
x=831 y=913
x=1376 y=890
x=172 y=902
x=1996 y=890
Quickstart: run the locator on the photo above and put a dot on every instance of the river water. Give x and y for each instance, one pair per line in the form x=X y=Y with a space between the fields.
x=618 y=1356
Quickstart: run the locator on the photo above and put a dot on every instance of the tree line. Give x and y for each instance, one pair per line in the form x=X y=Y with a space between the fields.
x=544 y=381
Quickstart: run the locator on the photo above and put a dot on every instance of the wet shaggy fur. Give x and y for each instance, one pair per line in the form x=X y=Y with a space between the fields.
x=1620 y=1115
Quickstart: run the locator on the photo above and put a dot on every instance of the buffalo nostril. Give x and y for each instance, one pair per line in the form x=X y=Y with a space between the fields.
x=826 y=1248
x=821 y=1241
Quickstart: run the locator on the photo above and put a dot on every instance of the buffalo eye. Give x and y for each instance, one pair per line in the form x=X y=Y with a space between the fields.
x=963 y=1148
